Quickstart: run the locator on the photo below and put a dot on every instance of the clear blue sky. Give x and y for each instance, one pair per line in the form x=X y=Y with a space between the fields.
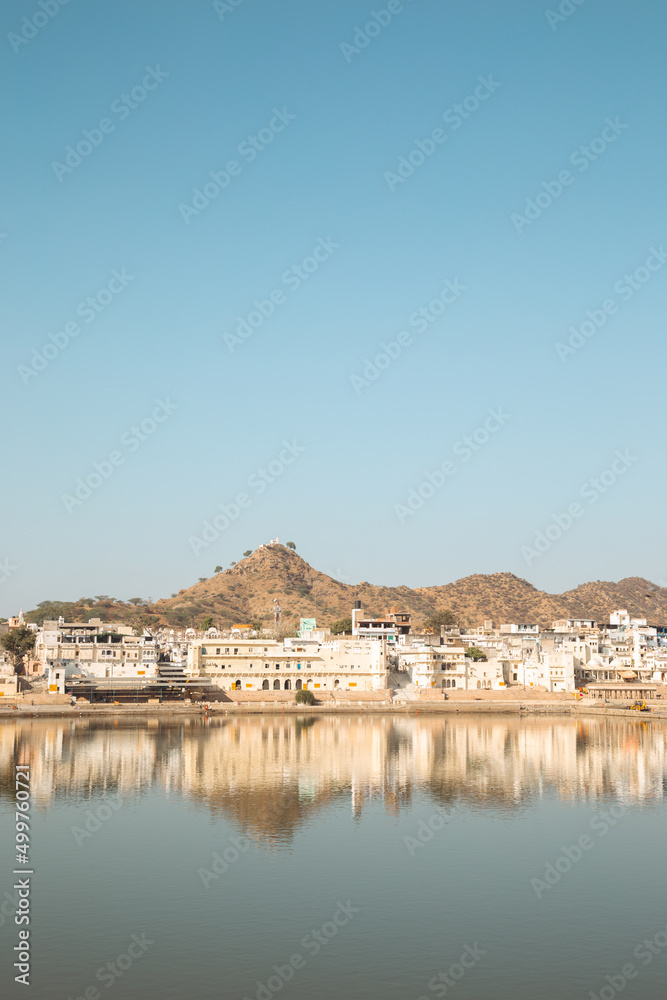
x=342 y=119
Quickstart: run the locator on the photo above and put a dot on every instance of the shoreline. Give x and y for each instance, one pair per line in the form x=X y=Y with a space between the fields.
x=225 y=709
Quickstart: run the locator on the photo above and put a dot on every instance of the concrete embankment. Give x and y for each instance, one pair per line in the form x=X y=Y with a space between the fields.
x=582 y=708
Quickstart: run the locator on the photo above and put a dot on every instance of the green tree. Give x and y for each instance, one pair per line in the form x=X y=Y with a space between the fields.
x=232 y=564
x=440 y=619
x=135 y=601
x=291 y=545
x=203 y=579
x=339 y=627
x=248 y=552
x=206 y=623
x=305 y=698
x=218 y=569
x=18 y=642
x=474 y=653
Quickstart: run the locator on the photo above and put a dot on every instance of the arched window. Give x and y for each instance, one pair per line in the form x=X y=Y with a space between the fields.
x=288 y=685
x=479 y=684
x=276 y=685
x=238 y=685
x=298 y=685
x=265 y=686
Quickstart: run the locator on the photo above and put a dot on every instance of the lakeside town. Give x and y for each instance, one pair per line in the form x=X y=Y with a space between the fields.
x=377 y=659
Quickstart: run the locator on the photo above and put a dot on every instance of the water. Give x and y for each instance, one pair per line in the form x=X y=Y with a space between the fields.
x=365 y=857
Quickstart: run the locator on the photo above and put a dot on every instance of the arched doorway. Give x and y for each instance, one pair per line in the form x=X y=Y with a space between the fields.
x=479 y=684
x=265 y=685
x=298 y=685
x=288 y=685
x=336 y=684
x=238 y=685
x=276 y=685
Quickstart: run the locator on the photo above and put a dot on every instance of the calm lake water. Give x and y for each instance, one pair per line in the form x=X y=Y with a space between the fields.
x=480 y=857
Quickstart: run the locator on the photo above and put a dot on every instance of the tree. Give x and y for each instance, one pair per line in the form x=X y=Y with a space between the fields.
x=232 y=564
x=291 y=545
x=203 y=579
x=218 y=569
x=207 y=623
x=440 y=619
x=248 y=552
x=474 y=653
x=135 y=600
x=103 y=597
x=305 y=698
x=344 y=625
x=18 y=642
x=284 y=632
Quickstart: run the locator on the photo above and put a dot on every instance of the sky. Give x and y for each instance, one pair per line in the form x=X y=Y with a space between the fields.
x=386 y=281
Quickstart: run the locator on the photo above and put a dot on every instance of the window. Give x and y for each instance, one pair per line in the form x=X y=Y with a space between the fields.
x=277 y=666
x=203 y=649
x=226 y=649
x=236 y=649
x=217 y=652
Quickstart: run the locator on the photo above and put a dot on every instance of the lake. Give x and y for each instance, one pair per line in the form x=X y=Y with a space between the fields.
x=473 y=856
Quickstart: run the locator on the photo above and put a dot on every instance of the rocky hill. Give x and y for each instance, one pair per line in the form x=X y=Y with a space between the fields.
x=245 y=593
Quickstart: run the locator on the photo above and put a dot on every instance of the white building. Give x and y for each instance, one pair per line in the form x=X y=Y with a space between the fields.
x=95 y=649
x=344 y=663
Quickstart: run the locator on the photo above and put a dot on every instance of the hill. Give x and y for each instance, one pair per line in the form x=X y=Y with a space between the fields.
x=245 y=593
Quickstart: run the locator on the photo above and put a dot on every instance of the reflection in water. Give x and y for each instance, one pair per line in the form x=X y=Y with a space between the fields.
x=269 y=774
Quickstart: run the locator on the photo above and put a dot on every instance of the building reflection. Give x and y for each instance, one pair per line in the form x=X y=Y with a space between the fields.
x=270 y=775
